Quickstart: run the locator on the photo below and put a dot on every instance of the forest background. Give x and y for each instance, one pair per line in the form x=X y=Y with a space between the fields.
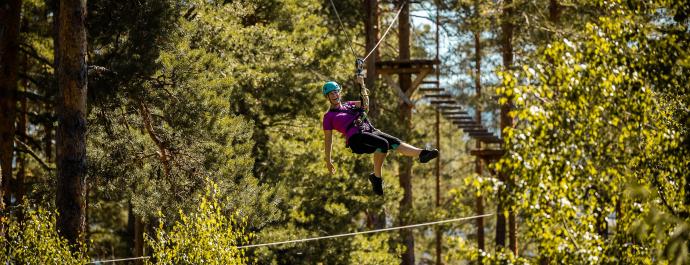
x=201 y=130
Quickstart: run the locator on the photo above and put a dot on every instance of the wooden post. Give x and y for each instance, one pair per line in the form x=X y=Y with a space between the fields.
x=439 y=235
x=405 y=176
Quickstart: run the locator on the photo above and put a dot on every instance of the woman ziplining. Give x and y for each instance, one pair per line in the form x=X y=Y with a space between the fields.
x=349 y=118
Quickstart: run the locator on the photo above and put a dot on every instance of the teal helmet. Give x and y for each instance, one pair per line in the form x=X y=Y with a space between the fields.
x=330 y=86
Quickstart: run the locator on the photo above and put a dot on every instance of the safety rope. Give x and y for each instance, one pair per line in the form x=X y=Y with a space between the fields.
x=342 y=28
x=366 y=232
x=325 y=237
x=387 y=30
x=118 y=260
x=349 y=42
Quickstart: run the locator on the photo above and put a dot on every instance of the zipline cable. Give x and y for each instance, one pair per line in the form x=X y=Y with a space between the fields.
x=118 y=260
x=325 y=237
x=342 y=28
x=366 y=232
x=387 y=30
x=349 y=41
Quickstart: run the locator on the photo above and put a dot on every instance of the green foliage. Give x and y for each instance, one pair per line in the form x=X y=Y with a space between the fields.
x=36 y=241
x=600 y=143
x=204 y=236
x=374 y=249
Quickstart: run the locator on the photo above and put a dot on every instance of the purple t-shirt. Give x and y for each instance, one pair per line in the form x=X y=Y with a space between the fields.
x=339 y=121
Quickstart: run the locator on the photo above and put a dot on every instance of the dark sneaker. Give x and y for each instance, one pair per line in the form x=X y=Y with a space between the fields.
x=427 y=155
x=376 y=184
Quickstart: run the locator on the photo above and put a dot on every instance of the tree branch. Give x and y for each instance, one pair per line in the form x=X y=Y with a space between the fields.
x=30 y=50
x=27 y=149
x=162 y=150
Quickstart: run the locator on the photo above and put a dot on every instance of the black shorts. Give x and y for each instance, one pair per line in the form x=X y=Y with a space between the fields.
x=370 y=142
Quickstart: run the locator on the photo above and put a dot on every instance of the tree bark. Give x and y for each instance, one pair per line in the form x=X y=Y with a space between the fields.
x=163 y=154
x=19 y=189
x=71 y=113
x=554 y=11
x=507 y=28
x=478 y=145
x=405 y=176
x=9 y=48
x=139 y=230
x=439 y=234
x=371 y=28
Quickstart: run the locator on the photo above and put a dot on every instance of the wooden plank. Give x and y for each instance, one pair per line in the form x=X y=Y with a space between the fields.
x=489 y=140
x=488 y=152
x=449 y=107
x=438 y=95
x=451 y=112
x=442 y=101
x=430 y=89
x=407 y=63
x=469 y=126
x=461 y=118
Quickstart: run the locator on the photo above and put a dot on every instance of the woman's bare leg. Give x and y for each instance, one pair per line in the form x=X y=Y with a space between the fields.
x=378 y=163
x=408 y=150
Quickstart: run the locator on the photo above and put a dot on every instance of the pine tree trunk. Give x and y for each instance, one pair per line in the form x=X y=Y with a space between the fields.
x=371 y=28
x=19 y=190
x=478 y=145
x=139 y=228
x=405 y=176
x=507 y=51
x=71 y=114
x=9 y=49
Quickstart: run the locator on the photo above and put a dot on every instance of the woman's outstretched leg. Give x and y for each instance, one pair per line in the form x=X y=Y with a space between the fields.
x=423 y=154
x=408 y=150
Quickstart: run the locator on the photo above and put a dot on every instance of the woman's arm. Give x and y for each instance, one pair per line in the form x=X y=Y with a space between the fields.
x=328 y=145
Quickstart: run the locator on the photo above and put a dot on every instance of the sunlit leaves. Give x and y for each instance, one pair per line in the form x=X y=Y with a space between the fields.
x=596 y=114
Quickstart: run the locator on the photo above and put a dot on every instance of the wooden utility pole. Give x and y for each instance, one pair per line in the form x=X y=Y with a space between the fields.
x=9 y=49
x=506 y=121
x=71 y=114
x=405 y=109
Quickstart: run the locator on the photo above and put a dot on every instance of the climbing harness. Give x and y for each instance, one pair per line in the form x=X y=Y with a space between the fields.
x=360 y=120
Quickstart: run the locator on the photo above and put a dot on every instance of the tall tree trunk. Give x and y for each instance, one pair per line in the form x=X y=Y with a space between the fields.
x=439 y=234
x=507 y=51
x=50 y=127
x=377 y=218
x=10 y=11
x=19 y=189
x=405 y=176
x=139 y=230
x=437 y=229
x=71 y=114
x=478 y=145
x=371 y=28
x=554 y=11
